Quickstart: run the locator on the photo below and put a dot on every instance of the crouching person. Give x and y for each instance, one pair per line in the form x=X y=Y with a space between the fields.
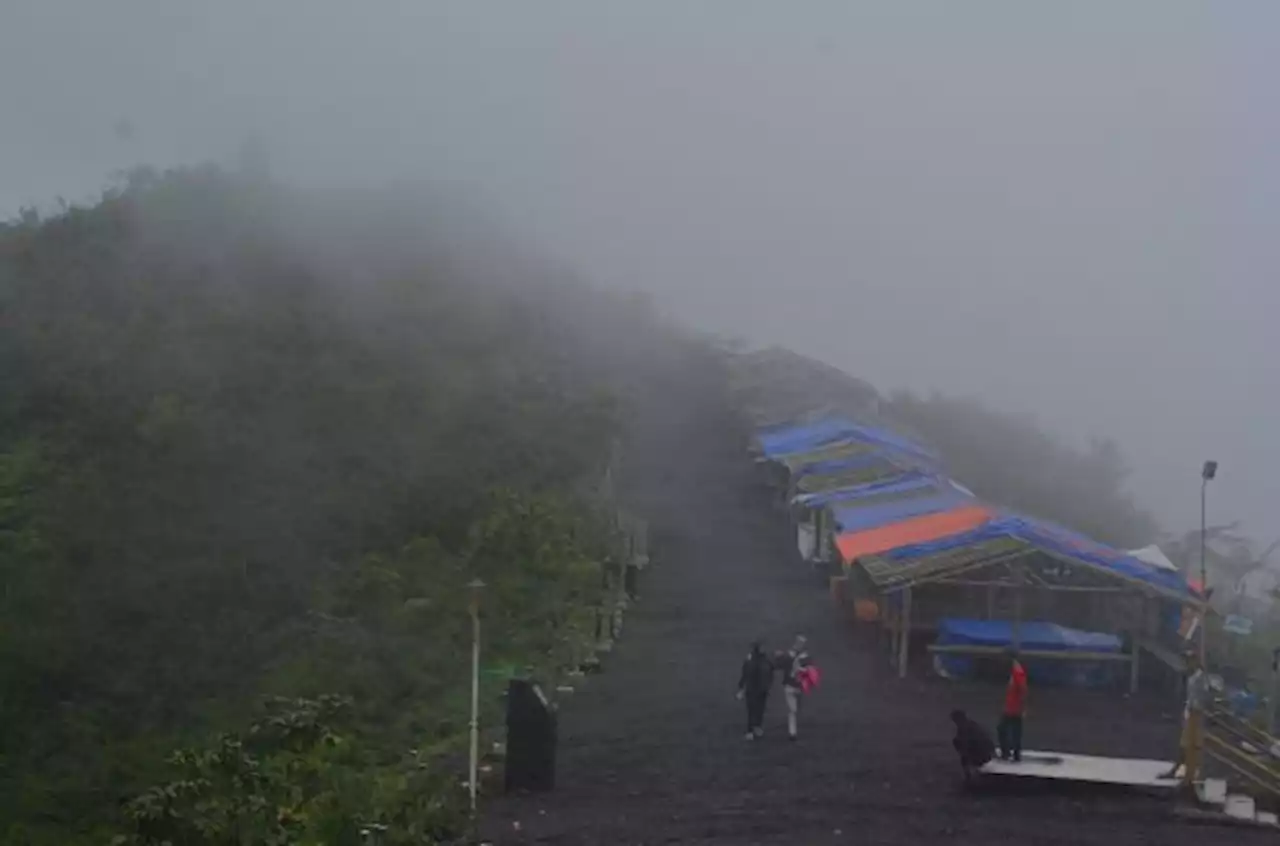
x=972 y=743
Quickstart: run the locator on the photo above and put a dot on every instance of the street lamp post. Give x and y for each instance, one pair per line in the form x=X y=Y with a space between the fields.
x=1207 y=472
x=475 y=586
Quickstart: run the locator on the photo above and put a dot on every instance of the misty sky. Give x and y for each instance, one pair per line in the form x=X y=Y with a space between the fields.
x=1064 y=208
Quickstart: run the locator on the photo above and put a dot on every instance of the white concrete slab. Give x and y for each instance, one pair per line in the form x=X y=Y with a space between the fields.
x=1065 y=766
x=1241 y=807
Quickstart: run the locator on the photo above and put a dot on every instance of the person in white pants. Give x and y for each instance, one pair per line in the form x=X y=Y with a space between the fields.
x=790 y=663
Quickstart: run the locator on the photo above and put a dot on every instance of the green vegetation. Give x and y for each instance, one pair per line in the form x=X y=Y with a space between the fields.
x=252 y=449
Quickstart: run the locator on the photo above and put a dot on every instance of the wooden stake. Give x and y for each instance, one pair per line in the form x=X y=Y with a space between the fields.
x=905 y=646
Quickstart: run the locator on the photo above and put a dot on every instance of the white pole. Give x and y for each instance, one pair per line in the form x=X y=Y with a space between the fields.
x=475 y=692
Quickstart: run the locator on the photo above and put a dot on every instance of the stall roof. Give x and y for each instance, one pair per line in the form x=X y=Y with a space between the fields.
x=905 y=482
x=894 y=441
x=835 y=465
x=804 y=437
x=829 y=452
x=858 y=518
x=1010 y=532
x=889 y=573
x=856 y=474
x=913 y=531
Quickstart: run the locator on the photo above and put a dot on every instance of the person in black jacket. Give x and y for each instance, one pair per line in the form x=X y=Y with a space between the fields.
x=972 y=742
x=753 y=687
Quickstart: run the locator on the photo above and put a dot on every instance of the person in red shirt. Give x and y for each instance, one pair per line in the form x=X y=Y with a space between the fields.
x=1009 y=730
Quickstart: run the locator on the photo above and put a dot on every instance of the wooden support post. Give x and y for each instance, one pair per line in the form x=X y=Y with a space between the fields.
x=1133 y=666
x=905 y=647
x=891 y=629
x=1019 y=579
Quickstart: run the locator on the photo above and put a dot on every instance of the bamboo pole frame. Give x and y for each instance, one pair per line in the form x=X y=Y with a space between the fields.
x=1041 y=586
x=1054 y=655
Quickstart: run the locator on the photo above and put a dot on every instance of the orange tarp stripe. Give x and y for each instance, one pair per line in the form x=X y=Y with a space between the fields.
x=854 y=545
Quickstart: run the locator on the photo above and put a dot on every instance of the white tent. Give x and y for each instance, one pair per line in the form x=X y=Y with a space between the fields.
x=1153 y=556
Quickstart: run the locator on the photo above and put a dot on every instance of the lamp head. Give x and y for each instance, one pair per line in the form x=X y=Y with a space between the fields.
x=1209 y=470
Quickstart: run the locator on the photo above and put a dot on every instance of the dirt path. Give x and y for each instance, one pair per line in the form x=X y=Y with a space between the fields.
x=651 y=751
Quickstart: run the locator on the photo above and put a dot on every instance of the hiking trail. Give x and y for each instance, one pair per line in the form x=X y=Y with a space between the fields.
x=652 y=752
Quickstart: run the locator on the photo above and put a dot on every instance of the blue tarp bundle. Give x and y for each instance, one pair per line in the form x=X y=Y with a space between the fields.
x=1051 y=538
x=852 y=518
x=906 y=482
x=1043 y=637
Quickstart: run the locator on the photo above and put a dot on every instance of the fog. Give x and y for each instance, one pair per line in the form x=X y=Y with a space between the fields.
x=1065 y=209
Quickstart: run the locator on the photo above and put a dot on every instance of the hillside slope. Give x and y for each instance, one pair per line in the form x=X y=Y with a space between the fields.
x=254 y=442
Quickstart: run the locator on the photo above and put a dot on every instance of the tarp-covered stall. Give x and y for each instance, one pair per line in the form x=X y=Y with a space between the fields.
x=920 y=548
x=777 y=443
x=1034 y=534
x=905 y=483
x=1033 y=636
x=848 y=473
x=1006 y=568
x=868 y=527
x=821 y=455
x=814 y=478
x=914 y=530
x=854 y=517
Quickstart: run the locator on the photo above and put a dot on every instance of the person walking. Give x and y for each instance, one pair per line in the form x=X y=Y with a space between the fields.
x=1009 y=731
x=796 y=667
x=754 y=683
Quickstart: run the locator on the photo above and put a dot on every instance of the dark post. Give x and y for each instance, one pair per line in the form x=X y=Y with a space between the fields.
x=1207 y=472
x=531 y=738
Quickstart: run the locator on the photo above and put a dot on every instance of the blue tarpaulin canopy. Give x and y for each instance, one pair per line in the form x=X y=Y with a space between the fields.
x=854 y=518
x=1037 y=636
x=776 y=442
x=1053 y=539
x=802 y=438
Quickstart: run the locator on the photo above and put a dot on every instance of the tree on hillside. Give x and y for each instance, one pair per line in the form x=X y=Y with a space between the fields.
x=1009 y=459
